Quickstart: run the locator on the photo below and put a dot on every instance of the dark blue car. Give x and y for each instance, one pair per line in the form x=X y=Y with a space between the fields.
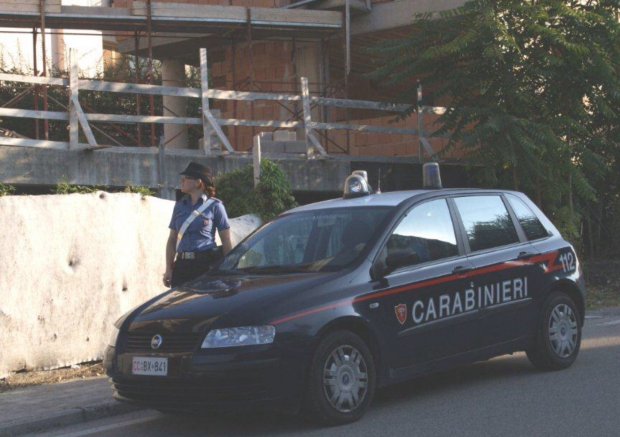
x=320 y=307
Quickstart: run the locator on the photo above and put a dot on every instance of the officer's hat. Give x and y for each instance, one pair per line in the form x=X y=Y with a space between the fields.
x=198 y=171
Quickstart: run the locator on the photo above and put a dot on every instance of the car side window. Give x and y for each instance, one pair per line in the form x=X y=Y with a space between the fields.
x=486 y=221
x=532 y=227
x=425 y=234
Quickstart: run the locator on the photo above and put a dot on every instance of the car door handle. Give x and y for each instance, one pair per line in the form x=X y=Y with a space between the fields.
x=525 y=255
x=461 y=270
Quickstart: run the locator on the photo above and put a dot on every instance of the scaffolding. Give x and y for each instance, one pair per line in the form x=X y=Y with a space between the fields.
x=145 y=21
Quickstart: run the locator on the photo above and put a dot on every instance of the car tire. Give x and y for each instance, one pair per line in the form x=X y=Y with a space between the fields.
x=558 y=336
x=342 y=379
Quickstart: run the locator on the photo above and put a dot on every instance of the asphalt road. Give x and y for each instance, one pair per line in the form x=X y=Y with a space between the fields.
x=502 y=397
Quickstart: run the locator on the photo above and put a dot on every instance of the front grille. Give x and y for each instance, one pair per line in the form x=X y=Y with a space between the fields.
x=204 y=391
x=176 y=343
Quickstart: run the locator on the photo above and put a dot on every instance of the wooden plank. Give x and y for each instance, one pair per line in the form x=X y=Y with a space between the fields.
x=427 y=146
x=316 y=143
x=246 y=95
x=438 y=110
x=157 y=90
x=92 y=142
x=360 y=104
x=204 y=82
x=33 y=79
x=40 y=115
x=310 y=137
x=256 y=158
x=129 y=119
x=259 y=123
x=74 y=128
x=218 y=130
x=118 y=87
x=39 y=144
x=363 y=128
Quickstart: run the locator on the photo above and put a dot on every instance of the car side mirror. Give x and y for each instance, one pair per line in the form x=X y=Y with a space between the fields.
x=401 y=258
x=378 y=270
x=395 y=260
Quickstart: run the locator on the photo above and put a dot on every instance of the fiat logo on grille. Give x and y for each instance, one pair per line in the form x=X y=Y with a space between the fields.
x=156 y=341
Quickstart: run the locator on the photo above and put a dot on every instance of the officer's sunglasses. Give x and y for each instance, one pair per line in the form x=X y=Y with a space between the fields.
x=189 y=178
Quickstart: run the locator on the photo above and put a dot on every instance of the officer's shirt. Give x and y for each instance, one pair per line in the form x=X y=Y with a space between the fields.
x=200 y=234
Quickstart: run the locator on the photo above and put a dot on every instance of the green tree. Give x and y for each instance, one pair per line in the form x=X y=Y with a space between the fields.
x=533 y=93
x=268 y=199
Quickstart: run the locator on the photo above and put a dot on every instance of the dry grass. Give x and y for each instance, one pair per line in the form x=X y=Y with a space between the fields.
x=28 y=378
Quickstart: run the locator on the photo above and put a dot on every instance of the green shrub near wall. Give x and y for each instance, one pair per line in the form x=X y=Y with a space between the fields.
x=6 y=190
x=271 y=197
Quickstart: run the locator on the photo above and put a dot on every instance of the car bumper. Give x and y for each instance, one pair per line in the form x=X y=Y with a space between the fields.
x=217 y=381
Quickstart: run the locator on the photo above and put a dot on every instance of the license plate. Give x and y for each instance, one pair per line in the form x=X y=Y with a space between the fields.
x=149 y=366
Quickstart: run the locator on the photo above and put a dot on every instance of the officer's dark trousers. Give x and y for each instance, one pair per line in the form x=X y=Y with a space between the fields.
x=187 y=269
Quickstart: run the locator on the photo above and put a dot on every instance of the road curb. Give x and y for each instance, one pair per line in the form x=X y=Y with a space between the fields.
x=67 y=417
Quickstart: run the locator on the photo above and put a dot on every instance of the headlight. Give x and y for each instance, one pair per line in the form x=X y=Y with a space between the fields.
x=242 y=336
x=113 y=336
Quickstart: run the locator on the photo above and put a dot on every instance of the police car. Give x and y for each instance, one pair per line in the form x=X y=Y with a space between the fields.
x=330 y=301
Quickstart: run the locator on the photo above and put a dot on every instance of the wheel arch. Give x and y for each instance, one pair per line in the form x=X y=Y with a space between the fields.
x=571 y=289
x=361 y=328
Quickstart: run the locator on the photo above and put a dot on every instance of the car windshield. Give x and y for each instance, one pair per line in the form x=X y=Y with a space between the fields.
x=312 y=241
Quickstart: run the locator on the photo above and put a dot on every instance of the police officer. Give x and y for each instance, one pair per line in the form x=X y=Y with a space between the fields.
x=191 y=244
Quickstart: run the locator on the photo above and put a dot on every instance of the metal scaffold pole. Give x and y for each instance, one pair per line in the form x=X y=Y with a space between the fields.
x=44 y=66
x=150 y=65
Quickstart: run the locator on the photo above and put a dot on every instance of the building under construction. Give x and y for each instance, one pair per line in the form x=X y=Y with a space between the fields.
x=261 y=46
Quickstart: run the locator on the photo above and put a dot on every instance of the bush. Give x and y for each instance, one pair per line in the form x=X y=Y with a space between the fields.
x=64 y=187
x=271 y=197
x=6 y=190
x=139 y=189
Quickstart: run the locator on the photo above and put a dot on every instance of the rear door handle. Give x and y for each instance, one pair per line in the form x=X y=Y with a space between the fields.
x=461 y=270
x=525 y=255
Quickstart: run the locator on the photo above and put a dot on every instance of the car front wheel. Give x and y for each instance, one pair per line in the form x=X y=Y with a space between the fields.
x=342 y=379
x=559 y=334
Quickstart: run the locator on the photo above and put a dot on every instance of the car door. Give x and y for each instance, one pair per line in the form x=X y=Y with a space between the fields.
x=504 y=275
x=423 y=309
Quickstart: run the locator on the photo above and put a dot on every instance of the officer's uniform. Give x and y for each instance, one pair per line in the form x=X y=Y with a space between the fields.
x=197 y=249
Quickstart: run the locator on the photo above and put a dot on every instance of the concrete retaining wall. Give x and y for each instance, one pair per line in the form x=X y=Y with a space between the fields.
x=70 y=265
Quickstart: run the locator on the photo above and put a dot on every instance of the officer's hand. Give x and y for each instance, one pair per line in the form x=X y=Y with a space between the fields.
x=167 y=279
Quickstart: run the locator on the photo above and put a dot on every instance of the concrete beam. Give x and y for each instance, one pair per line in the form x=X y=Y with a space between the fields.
x=121 y=166
x=173 y=74
x=398 y=13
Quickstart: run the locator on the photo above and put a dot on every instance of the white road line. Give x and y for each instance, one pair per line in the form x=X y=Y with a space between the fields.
x=102 y=428
x=611 y=323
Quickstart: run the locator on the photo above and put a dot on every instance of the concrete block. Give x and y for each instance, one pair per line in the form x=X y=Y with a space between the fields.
x=284 y=135
x=71 y=265
x=295 y=147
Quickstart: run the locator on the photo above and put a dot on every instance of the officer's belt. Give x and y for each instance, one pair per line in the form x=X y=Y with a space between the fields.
x=213 y=253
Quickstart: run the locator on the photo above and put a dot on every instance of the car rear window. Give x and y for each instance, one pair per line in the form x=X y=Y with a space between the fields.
x=532 y=227
x=486 y=221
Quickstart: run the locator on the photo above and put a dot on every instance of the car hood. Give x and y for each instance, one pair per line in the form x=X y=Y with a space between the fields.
x=236 y=300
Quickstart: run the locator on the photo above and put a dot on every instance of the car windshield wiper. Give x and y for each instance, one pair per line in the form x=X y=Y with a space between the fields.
x=225 y=272
x=274 y=269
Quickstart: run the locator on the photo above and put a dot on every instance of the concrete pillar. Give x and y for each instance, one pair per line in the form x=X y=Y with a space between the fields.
x=173 y=74
x=59 y=59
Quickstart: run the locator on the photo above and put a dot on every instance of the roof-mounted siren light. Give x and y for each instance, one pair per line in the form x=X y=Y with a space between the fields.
x=356 y=185
x=431 y=175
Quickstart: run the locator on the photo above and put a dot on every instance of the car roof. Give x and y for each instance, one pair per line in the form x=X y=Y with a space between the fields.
x=392 y=198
